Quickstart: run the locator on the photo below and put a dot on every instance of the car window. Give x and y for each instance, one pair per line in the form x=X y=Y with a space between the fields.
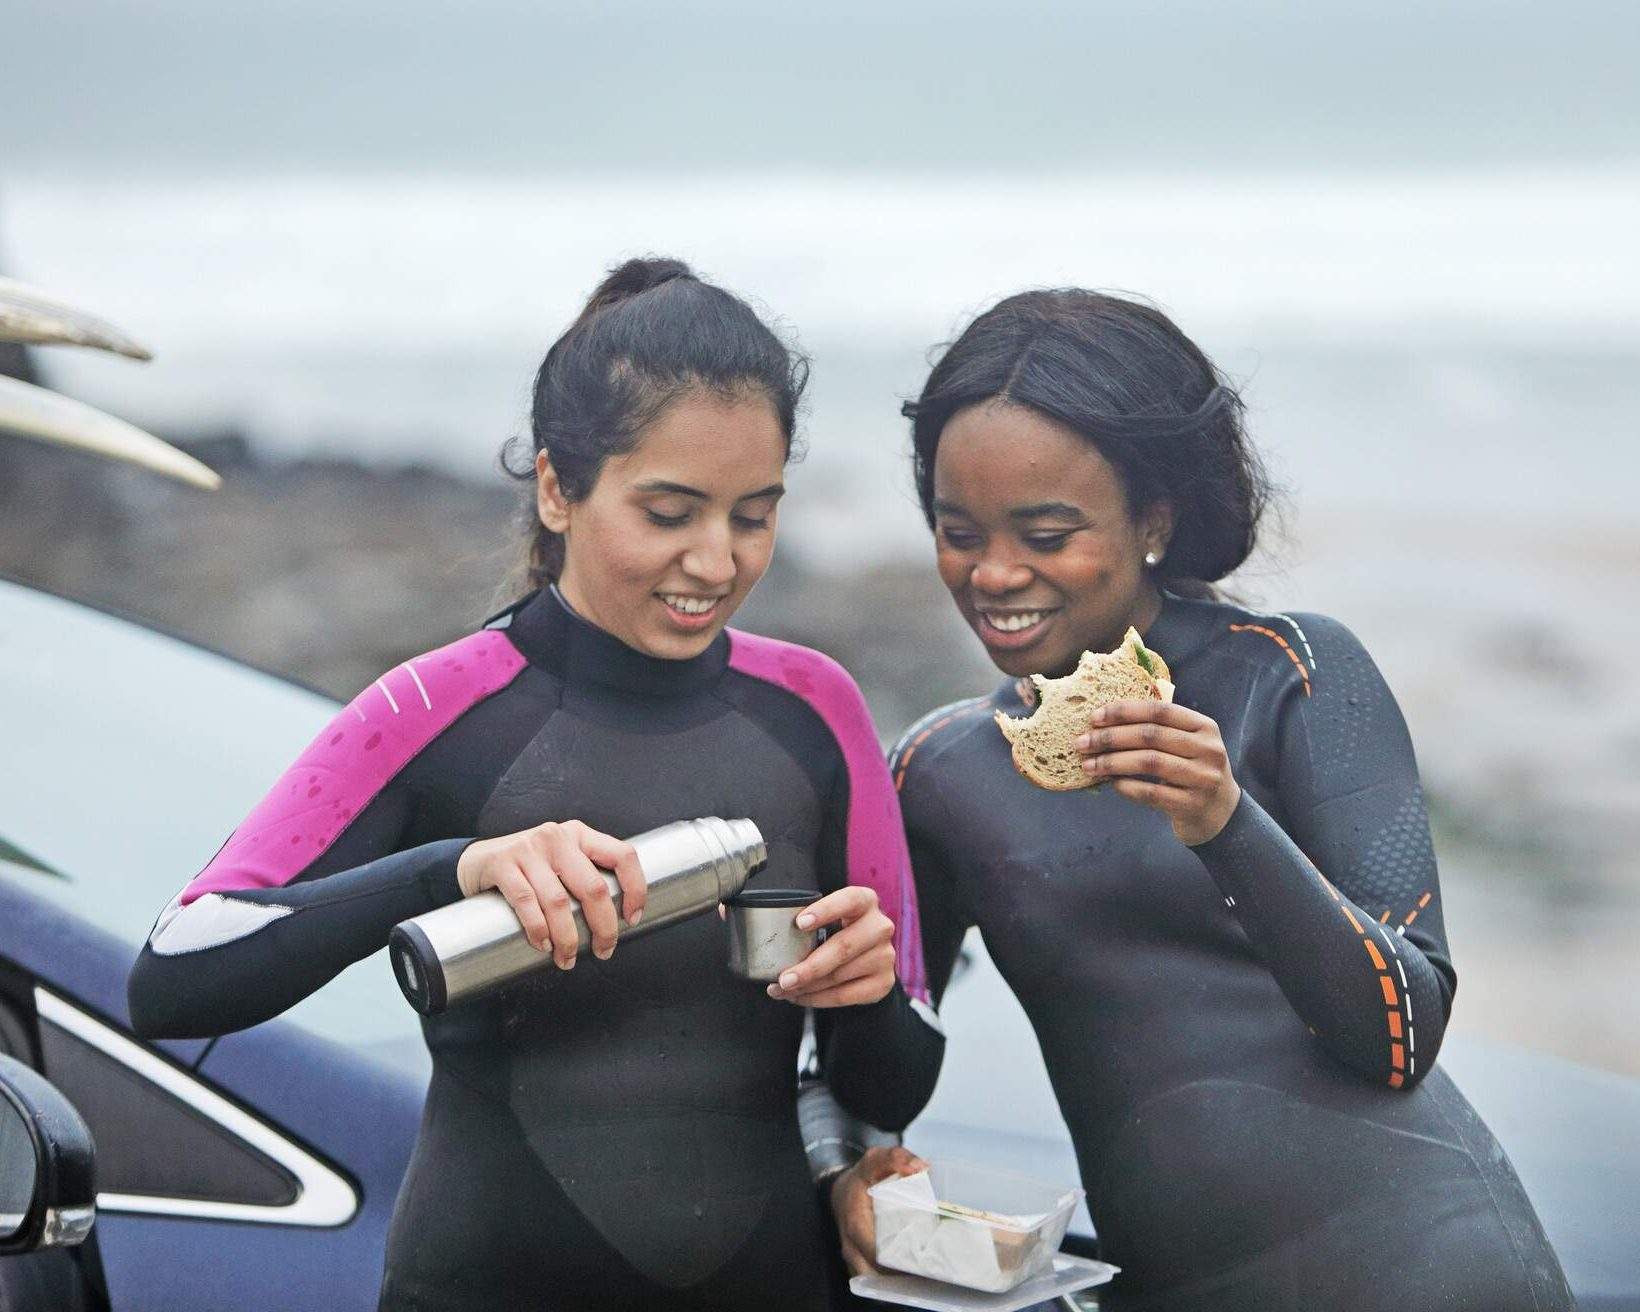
x=14 y=1033
x=128 y=759
x=148 y=1142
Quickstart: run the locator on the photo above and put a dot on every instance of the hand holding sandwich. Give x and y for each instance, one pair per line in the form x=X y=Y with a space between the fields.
x=1164 y=756
x=1113 y=720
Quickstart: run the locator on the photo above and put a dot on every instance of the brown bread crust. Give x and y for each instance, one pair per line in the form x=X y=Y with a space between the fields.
x=1043 y=743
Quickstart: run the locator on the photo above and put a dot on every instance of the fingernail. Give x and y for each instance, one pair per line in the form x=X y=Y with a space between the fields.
x=603 y=954
x=635 y=917
x=805 y=920
x=1084 y=742
x=566 y=965
x=1090 y=766
x=789 y=980
x=1099 y=715
x=773 y=990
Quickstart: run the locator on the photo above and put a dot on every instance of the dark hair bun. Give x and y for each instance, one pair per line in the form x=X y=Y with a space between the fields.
x=632 y=279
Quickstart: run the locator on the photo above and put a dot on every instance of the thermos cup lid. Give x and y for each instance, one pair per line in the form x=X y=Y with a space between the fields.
x=764 y=940
x=774 y=897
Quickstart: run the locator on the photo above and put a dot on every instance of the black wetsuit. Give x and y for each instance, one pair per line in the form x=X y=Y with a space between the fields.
x=624 y=1134
x=1242 y=1042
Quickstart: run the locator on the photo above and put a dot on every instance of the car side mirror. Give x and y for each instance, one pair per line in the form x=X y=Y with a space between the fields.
x=48 y=1195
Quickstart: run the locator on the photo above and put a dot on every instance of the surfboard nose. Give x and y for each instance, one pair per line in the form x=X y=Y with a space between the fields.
x=31 y=411
x=38 y=318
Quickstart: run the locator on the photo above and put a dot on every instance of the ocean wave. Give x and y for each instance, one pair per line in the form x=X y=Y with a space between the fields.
x=397 y=262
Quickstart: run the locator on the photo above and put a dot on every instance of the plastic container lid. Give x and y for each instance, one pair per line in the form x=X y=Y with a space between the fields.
x=971 y=1226
x=1068 y=1275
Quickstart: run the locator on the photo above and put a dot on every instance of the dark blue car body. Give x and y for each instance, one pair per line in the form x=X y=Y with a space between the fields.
x=89 y=750
x=359 y=1113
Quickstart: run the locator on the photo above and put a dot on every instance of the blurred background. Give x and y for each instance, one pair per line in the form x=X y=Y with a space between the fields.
x=350 y=229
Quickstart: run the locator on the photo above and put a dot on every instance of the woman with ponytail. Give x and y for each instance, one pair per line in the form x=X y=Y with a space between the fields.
x=1232 y=949
x=619 y=1133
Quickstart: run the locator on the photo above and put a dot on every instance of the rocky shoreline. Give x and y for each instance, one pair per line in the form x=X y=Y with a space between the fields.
x=330 y=571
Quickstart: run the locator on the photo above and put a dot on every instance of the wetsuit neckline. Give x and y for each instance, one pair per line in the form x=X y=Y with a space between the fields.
x=550 y=634
x=1179 y=631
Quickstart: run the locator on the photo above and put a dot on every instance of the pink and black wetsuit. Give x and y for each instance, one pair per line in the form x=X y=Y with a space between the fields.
x=622 y=1135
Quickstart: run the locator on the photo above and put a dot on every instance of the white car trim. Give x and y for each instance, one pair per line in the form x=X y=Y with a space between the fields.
x=323 y=1197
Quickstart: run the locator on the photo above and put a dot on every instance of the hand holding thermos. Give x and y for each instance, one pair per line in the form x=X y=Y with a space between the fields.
x=563 y=885
x=545 y=871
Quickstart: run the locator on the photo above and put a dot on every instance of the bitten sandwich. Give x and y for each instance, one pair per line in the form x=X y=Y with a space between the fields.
x=1042 y=742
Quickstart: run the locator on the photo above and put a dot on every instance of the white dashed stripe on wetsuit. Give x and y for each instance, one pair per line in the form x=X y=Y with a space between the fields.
x=1309 y=653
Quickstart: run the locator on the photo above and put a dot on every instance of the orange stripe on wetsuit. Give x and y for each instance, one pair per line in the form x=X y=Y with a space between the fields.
x=1386 y=982
x=1281 y=642
x=904 y=759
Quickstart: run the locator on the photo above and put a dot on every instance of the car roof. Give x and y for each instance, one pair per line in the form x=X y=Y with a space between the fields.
x=130 y=733
x=131 y=756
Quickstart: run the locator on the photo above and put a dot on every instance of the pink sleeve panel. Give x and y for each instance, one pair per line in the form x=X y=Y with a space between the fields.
x=877 y=854
x=354 y=758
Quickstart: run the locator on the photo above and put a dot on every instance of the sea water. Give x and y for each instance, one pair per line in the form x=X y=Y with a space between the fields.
x=1418 y=340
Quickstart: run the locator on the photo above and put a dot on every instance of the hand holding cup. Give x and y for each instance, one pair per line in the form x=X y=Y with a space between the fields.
x=854 y=966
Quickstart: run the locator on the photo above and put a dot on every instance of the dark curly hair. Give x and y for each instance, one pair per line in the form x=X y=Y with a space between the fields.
x=1120 y=373
x=651 y=332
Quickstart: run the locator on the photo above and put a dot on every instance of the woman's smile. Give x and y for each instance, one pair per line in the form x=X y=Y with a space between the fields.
x=675 y=532
x=688 y=612
x=1012 y=628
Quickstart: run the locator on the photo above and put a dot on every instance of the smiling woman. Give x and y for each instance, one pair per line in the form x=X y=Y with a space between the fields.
x=674 y=534
x=619 y=1133
x=686 y=367
x=1032 y=575
x=1230 y=943
x=1076 y=455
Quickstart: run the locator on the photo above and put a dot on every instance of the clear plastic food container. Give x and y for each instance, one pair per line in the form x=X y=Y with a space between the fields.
x=969 y=1225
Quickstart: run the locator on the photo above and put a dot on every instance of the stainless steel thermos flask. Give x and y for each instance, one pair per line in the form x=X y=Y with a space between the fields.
x=446 y=956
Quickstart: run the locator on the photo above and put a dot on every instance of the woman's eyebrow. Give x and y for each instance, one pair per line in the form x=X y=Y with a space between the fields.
x=665 y=485
x=684 y=490
x=1056 y=509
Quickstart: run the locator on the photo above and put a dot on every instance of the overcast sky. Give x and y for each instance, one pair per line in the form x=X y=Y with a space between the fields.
x=526 y=87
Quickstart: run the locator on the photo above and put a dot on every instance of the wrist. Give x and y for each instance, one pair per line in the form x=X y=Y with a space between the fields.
x=831 y=1183
x=467 y=870
x=833 y=1141
x=1218 y=820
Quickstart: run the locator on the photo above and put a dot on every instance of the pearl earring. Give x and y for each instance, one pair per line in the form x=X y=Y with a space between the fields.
x=1152 y=559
